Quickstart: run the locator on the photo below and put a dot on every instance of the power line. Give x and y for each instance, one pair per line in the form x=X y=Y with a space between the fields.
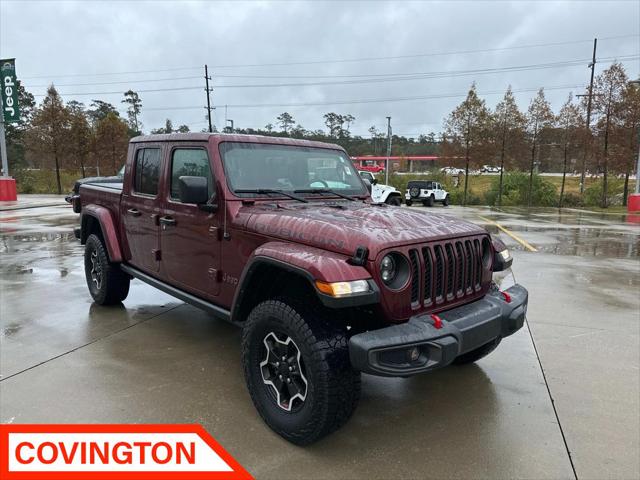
x=347 y=60
x=364 y=101
x=119 y=82
x=423 y=76
x=419 y=55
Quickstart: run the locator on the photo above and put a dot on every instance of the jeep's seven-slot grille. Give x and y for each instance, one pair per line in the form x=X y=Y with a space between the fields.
x=451 y=270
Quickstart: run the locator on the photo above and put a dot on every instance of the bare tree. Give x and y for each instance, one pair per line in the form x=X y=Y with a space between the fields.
x=112 y=141
x=570 y=121
x=49 y=130
x=80 y=135
x=510 y=124
x=539 y=118
x=608 y=91
x=467 y=125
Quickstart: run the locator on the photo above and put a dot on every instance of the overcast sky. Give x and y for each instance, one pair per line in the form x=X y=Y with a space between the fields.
x=101 y=43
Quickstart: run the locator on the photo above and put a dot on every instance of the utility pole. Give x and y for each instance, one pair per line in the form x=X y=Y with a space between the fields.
x=208 y=90
x=587 y=143
x=386 y=163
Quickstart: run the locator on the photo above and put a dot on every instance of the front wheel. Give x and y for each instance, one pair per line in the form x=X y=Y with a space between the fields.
x=296 y=365
x=445 y=202
x=107 y=283
x=394 y=200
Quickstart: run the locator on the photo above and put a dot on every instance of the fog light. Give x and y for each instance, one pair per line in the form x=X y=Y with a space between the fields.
x=414 y=354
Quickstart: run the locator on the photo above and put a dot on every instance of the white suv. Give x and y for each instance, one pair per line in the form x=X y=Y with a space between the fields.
x=382 y=193
x=427 y=192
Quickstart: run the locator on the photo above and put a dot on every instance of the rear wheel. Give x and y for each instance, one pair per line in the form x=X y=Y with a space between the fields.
x=296 y=365
x=478 y=353
x=408 y=203
x=107 y=283
x=429 y=201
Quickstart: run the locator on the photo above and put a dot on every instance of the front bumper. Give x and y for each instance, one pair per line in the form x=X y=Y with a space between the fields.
x=384 y=352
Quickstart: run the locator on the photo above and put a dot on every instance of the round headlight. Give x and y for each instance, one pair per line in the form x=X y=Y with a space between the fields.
x=388 y=269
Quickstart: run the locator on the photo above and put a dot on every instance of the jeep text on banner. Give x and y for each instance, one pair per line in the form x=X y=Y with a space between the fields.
x=9 y=90
x=114 y=452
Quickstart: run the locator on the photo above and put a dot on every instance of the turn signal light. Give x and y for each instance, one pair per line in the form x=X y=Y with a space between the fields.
x=342 y=289
x=506 y=296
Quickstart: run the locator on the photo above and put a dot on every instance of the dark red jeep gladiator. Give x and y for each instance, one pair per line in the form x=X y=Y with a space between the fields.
x=280 y=237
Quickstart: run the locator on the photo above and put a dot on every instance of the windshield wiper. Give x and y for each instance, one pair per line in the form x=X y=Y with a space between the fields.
x=269 y=191
x=325 y=190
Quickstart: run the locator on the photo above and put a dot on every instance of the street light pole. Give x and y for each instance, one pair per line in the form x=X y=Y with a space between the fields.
x=386 y=163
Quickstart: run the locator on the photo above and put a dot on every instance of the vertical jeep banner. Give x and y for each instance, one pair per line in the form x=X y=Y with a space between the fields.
x=10 y=108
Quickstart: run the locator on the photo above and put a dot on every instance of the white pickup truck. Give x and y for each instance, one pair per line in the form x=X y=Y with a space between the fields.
x=382 y=193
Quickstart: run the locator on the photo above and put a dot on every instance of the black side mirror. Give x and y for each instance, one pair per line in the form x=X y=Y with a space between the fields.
x=367 y=183
x=374 y=182
x=193 y=190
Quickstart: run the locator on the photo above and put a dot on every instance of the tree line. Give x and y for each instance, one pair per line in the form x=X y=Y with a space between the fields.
x=92 y=140
x=539 y=139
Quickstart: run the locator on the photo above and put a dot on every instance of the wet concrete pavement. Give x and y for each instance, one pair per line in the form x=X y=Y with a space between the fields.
x=63 y=359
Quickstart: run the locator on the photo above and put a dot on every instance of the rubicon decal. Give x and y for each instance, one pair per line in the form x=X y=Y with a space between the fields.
x=120 y=452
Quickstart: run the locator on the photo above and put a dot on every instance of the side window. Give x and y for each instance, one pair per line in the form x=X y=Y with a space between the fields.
x=147 y=171
x=192 y=162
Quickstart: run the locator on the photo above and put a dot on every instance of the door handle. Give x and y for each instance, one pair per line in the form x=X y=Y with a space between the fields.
x=167 y=221
x=134 y=211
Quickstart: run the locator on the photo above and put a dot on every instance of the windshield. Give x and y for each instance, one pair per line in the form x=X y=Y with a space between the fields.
x=251 y=166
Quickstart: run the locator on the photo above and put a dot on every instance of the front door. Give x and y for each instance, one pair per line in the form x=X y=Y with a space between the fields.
x=140 y=209
x=190 y=236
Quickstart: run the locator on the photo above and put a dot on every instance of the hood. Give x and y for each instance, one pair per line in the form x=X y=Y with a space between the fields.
x=343 y=226
x=82 y=181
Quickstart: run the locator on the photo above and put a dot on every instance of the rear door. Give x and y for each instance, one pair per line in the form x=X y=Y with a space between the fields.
x=140 y=208
x=190 y=237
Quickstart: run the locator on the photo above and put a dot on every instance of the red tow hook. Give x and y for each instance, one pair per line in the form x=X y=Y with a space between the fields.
x=437 y=321
x=507 y=297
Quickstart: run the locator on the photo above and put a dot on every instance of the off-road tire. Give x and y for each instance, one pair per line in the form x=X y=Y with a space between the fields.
x=445 y=202
x=394 y=200
x=113 y=286
x=333 y=387
x=429 y=201
x=478 y=353
x=408 y=203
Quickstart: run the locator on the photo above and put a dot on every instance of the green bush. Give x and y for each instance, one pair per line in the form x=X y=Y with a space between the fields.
x=515 y=188
x=593 y=193
x=572 y=200
x=44 y=181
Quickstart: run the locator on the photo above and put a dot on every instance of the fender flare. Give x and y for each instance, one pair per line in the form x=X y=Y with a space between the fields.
x=309 y=263
x=108 y=227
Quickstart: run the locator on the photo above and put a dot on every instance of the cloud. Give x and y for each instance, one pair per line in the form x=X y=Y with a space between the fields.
x=54 y=39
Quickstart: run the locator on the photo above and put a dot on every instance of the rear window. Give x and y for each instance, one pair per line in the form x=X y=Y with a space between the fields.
x=147 y=171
